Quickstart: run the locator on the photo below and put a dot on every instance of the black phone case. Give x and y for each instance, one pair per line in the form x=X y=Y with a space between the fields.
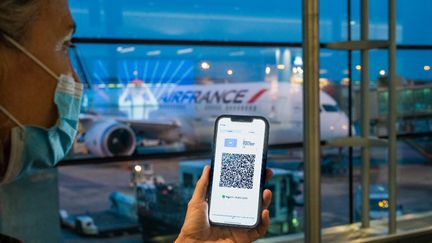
x=263 y=168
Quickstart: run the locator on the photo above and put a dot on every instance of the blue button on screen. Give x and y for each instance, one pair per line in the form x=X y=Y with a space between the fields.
x=230 y=142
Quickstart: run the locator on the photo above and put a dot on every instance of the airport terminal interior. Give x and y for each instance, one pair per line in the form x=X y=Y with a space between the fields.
x=156 y=76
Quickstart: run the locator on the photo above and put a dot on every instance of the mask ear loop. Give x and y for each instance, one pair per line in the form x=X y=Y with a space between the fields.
x=31 y=56
x=11 y=117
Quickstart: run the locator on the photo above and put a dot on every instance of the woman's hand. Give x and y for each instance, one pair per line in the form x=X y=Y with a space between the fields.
x=196 y=227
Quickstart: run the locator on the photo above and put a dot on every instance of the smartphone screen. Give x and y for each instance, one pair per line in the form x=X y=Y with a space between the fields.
x=238 y=167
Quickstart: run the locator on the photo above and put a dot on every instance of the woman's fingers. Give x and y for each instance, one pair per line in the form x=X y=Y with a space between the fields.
x=201 y=186
x=265 y=222
x=269 y=174
x=267 y=196
x=265 y=217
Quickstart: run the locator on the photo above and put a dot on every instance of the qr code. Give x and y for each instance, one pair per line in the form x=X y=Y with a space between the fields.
x=237 y=170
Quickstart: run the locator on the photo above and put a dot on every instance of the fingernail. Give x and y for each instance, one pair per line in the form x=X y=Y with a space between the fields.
x=204 y=169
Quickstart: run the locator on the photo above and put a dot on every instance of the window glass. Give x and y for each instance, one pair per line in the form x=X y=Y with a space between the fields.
x=257 y=21
x=413 y=125
x=147 y=99
x=411 y=21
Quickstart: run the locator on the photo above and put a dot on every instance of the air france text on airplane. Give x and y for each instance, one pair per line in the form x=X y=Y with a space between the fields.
x=233 y=96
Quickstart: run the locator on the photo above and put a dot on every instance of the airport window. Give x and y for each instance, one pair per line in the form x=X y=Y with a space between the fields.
x=270 y=21
x=158 y=73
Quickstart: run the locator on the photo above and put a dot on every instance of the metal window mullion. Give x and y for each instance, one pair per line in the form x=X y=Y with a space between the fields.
x=311 y=128
x=350 y=121
x=392 y=117
x=364 y=91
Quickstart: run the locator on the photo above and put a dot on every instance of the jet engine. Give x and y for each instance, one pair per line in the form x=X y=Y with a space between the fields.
x=110 y=138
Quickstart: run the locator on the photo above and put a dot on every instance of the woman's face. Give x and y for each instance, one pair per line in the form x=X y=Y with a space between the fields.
x=26 y=90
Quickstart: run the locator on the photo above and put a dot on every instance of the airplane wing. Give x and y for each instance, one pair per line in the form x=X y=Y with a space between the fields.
x=167 y=130
x=146 y=125
x=87 y=119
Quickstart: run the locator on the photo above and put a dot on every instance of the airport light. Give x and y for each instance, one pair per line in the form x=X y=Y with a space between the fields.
x=426 y=67
x=345 y=81
x=138 y=168
x=124 y=50
x=297 y=70
x=205 y=65
x=236 y=53
x=184 y=51
x=382 y=72
x=267 y=70
x=383 y=204
x=295 y=222
x=154 y=53
x=323 y=82
x=358 y=67
x=230 y=72
x=298 y=61
x=280 y=66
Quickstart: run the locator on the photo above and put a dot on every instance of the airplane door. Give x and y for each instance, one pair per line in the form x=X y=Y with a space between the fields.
x=296 y=118
x=286 y=120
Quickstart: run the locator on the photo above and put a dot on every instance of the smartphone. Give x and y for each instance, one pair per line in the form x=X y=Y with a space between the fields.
x=238 y=171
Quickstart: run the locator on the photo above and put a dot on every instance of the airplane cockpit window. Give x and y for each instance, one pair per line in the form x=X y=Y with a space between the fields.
x=330 y=108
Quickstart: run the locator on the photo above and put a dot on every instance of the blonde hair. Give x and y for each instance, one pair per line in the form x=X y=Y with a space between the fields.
x=16 y=17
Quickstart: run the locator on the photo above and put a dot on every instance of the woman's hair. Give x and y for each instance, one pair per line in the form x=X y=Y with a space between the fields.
x=16 y=16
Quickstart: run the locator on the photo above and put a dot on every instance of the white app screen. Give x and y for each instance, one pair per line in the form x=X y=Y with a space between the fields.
x=237 y=171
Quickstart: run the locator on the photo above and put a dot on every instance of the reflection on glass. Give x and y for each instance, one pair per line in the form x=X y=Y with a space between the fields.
x=413 y=108
x=269 y=21
x=137 y=101
x=143 y=99
x=151 y=99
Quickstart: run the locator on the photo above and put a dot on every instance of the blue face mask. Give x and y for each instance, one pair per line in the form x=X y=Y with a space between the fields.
x=33 y=147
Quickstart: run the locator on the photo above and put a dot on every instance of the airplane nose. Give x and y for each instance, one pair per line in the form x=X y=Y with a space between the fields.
x=339 y=125
x=342 y=125
x=335 y=124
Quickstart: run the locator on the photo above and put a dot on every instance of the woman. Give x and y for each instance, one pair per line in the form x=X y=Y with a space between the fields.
x=40 y=95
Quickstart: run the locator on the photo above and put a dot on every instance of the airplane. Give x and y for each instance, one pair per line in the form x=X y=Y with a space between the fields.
x=170 y=113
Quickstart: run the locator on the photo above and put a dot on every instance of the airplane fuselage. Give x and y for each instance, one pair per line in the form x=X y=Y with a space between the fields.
x=197 y=106
x=186 y=113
